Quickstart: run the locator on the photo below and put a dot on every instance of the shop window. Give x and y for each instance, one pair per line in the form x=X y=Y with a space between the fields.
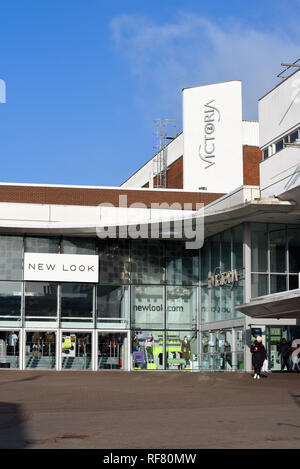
x=9 y=349
x=204 y=305
x=112 y=306
x=259 y=247
x=76 y=350
x=112 y=351
x=40 y=301
x=237 y=247
x=279 y=145
x=211 y=358
x=204 y=259
x=277 y=236
x=42 y=245
x=182 y=350
x=238 y=356
x=293 y=282
x=215 y=253
x=293 y=234
x=10 y=300
x=11 y=258
x=77 y=302
x=147 y=262
x=215 y=304
x=148 y=350
x=226 y=302
x=226 y=251
x=40 y=350
x=294 y=136
x=114 y=262
x=84 y=246
x=259 y=285
x=278 y=283
x=182 y=307
x=238 y=297
x=181 y=265
x=147 y=306
x=224 y=358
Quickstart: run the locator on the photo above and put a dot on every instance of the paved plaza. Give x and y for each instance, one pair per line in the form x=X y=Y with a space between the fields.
x=148 y=410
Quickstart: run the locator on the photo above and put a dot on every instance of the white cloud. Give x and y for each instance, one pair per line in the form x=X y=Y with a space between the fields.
x=194 y=50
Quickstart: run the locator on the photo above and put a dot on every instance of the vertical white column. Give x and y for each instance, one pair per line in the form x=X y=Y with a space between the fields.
x=247 y=292
x=58 y=349
x=233 y=349
x=94 y=350
x=128 y=351
x=22 y=344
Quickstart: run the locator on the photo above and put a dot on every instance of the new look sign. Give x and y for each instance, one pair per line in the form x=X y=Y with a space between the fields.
x=61 y=268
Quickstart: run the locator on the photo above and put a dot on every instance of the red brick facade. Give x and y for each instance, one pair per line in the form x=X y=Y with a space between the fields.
x=174 y=175
x=93 y=196
x=252 y=156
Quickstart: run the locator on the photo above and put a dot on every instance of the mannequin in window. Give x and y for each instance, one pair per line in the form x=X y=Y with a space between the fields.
x=12 y=342
x=135 y=344
x=49 y=343
x=186 y=350
x=149 y=344
x=141 y=338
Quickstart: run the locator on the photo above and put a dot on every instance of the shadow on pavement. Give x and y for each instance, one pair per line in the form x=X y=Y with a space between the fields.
x=12 y=421
x=296 y=398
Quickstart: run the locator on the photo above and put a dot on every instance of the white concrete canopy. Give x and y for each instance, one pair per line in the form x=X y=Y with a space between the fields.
x=277 y=306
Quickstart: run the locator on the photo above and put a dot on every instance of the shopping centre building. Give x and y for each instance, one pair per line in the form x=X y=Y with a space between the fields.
x=180 y=267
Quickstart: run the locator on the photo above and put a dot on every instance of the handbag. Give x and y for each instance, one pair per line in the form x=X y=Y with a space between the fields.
x=265 y=367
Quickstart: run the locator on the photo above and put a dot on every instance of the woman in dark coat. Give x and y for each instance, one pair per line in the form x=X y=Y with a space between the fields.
x=284 y=351
x=259 y=355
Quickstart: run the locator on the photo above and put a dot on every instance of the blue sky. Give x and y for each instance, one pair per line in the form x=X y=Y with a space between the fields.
x=86 y=78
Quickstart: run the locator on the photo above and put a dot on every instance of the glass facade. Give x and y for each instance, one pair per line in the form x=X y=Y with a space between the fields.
x=152 y=303
x=275 y=258
x=221 y=254
x=223 y=350
x=9 y=349
x=76 y=350
x=40 y=350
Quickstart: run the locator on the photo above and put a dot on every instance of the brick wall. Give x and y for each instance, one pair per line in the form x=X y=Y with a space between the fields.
x=174 y=175
x=252 y=156
x=94 y=197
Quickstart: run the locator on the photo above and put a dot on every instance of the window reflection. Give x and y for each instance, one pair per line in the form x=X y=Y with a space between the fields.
x=182 y=307
x=76 y=350
x=40 y=350
x=147 y=306
x=148 y=350
x=112 y=306
x=9 y=349
x=40 y=301
x=181 y=350
x=77 y=301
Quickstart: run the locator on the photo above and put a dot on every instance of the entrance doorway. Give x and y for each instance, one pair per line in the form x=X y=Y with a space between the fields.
x=112 y=351
x=9 y=349
x=40 y=350
x=76 y=350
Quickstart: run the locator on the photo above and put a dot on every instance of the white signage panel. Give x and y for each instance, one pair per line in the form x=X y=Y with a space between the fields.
x=212 y=129
x=61 y=268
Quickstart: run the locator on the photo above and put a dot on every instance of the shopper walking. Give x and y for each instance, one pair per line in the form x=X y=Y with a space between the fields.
x=258 y=356
x=284 y=350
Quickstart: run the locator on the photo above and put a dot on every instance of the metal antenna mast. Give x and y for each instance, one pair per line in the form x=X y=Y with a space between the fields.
x=164 y=130
x=288 y=66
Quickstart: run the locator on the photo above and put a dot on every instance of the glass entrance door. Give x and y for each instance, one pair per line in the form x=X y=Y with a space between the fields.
x=76 y=350
x=9 y=349
x=40 y=350
x=112 y=350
